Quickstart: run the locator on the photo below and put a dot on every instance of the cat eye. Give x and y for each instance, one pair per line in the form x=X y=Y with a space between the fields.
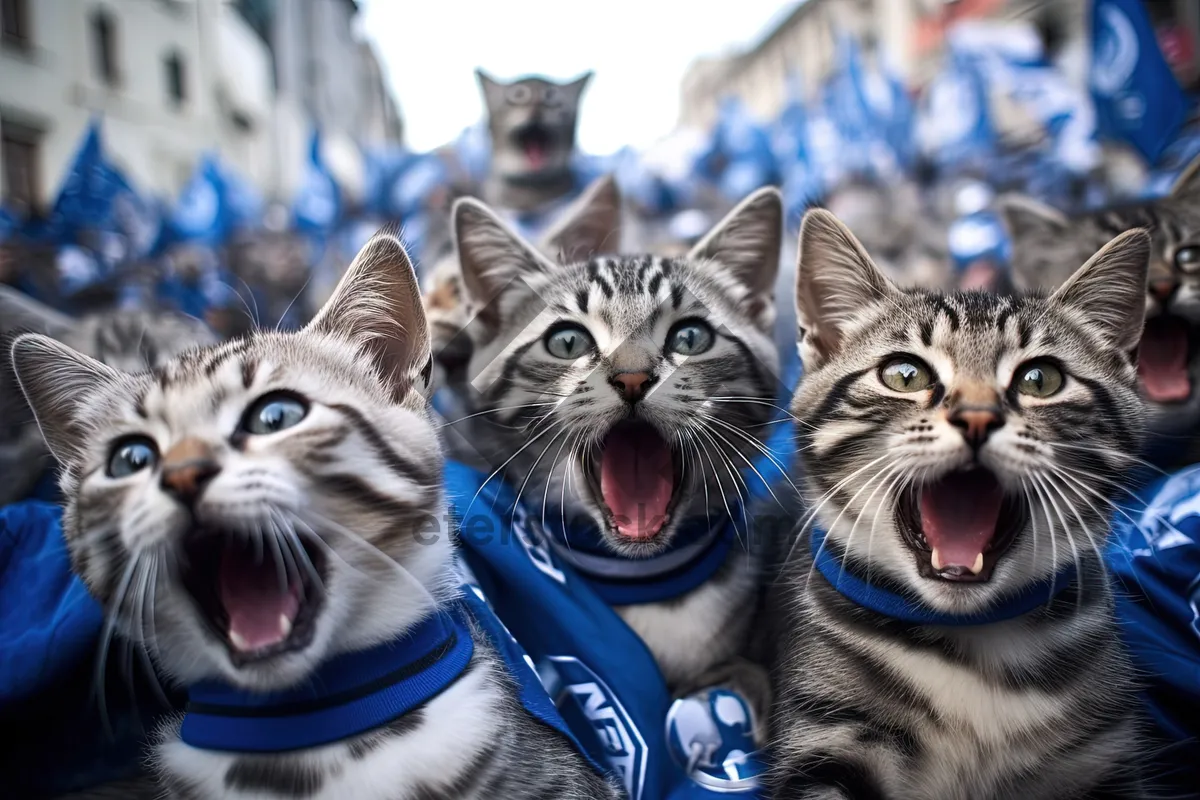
x=550 y=95
x=1187 y=259
x=519 y=94
x=1038 y=379
x=131 y=454
x=568 y=342
x=273 y=413
x=906 y=374
x=690 y=338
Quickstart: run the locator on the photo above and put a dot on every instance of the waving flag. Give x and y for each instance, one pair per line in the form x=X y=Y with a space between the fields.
x=318 y=205
x=1137 y=97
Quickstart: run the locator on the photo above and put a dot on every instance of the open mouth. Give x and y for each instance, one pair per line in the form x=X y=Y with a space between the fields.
x=258 y=606
x=536 y=141
x=1163 y=359
x=960 y=526
x=635 y=478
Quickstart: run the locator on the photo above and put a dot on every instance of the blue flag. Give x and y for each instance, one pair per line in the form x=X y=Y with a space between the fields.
x=318 y=205
x=200 y=215
x=1137 y=97
x=89 y=189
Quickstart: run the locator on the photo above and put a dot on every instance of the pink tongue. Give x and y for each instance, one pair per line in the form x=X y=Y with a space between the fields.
x=1162 y=361
x=637 y=477
x=261 y=612
x=536 y=154
x=958 y=515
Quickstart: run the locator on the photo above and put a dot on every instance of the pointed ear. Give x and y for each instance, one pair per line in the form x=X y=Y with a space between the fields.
x=577 y=86
x=1188 y=182
x=747 y=243
x=57 y=382
x=490 y=254
x=1110 y=289
x=377 y=305
x=591 y=225
x=493 y=90
x=1026 y=218
x=835 y=280
x=19 y=312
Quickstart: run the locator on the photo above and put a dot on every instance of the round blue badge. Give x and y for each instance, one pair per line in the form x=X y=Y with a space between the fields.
x=711 y=736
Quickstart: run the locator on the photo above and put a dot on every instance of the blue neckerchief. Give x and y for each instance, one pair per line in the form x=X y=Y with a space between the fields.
x=697 y=553
x=350 y=695
x=907 y=608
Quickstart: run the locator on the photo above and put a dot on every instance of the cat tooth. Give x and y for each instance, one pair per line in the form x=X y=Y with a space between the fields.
x=977 y=567
x=238 y=641
x=285 y=625
x=936 y=559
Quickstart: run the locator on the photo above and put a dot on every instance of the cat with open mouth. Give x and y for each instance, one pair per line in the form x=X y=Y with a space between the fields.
x=944 y=623
x=265 y=518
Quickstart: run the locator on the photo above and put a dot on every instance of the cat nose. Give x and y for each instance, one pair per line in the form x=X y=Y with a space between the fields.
x=187 y=468
x=976 y=423
x=632 y=385
x=1163 y=289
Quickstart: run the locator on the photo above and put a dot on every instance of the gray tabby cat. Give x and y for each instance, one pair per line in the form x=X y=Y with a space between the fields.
x=1045 y=242
x=133 y=341
x=960 y=450
x=629 y=390
x=250 y=511
x=532 y=122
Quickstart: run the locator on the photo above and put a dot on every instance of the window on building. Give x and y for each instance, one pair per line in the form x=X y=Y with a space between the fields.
x=104 y=47
x=16 y=22
x=20 y=157
x=176 y=76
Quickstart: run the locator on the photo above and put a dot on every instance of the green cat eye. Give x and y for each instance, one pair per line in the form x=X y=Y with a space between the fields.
x=568 y=342
x=906 y=374
x=691 y=337
x=273 y=413
x=1188 y=259
x=1038 y=379
x=131 y=454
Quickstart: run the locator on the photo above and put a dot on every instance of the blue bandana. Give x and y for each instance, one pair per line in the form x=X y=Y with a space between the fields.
x=908 y=608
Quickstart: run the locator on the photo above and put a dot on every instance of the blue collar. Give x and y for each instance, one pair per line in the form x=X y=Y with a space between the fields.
x=698 y=552
x=349 y=695
x=907 y=608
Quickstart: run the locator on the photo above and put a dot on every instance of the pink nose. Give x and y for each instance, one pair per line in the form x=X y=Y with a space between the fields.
x=632 y=385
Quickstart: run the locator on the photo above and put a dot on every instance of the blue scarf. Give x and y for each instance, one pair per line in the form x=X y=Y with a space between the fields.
x=907 y=608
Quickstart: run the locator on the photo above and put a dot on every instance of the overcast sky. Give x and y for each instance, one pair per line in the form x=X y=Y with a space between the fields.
x=639 y=50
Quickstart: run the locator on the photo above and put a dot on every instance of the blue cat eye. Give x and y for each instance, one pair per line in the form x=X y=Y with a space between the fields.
x=131 y=454
x=691 y=337
x=1188 y=258
x=273 y=413
x=568 y=342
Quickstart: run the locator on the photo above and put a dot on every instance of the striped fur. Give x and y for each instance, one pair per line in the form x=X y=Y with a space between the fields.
x=351 y=495
x=1047 y=245
x=127 y=340
x=540 y=420
x=1040 y=706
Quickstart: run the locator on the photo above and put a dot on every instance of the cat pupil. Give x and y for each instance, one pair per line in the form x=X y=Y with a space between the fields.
x=1035 y=377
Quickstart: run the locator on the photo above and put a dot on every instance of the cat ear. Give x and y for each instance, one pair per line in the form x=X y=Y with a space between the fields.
x=377 y=305
x=493 y=90
x=490 y=254
x=575 y=88
x=835 y=280
x=747 y=243
x=590 y=225
x=1110 y=289
x=1026 y=218
x=57 y=382
x=1188 y=182
x=20 y=312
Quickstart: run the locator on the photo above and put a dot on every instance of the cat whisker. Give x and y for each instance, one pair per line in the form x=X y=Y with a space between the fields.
x=106 y=635
x=760 y=447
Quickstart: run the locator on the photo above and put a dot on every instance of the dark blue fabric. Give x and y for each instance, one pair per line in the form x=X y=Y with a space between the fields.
x=1155 y=557
x=349 y=695
x=908 y=608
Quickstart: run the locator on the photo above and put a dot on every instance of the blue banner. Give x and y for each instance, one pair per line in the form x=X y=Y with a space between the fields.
x=318 y=205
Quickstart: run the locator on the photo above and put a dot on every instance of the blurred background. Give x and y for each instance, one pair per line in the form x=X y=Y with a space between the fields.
x=226 y=159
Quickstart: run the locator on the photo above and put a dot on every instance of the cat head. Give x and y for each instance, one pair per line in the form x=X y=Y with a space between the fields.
x=248 y=510
x=625 y=389
x=132 y=341
x=532 y=122
x=963 y=445
x=1046 y=243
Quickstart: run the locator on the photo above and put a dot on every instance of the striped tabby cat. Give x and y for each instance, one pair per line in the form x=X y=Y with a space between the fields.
x=948 y=630
x=132 y=341
x=1046 y=243
x=625 y=393
x=261 y=516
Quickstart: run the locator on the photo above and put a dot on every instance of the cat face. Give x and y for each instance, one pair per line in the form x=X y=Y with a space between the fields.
x=1047 y=243
x=247 y=510
x=629 y=390
x=966 y=444
x=532 y=122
